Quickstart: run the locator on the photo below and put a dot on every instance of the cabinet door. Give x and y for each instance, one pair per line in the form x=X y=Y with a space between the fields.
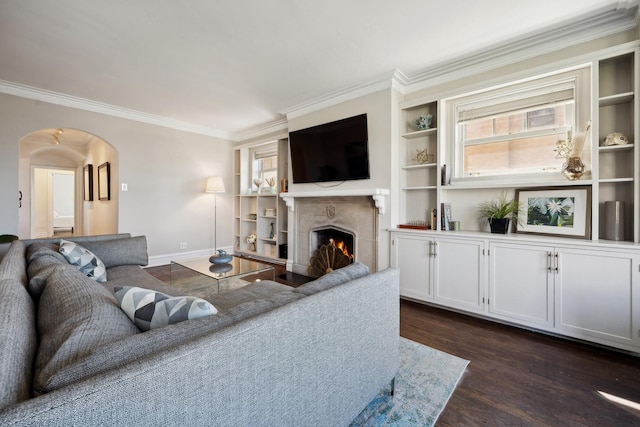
x=412 y=255
x=597 y=296
x=459 y=273
x=521 y=283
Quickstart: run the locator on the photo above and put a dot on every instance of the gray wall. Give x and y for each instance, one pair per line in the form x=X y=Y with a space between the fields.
x=165 y=170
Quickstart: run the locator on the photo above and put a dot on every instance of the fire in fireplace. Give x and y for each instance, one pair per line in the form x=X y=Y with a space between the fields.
x=334 y=249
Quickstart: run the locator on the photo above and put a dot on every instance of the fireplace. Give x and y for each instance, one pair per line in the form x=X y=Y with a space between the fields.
x=343 y=240
x=351 y=219
x=332 y=249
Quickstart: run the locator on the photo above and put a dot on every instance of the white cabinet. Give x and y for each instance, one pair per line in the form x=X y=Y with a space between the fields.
x=412 y=254
x=597 y=296
x=460 y=271
x=521 y=279
x=448 y=271
x=587 y=291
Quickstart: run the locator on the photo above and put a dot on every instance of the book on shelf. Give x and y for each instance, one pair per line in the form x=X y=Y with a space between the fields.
x=434 y=218
x=445 y=213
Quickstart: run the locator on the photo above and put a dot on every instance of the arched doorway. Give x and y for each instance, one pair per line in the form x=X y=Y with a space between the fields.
x=46 y=153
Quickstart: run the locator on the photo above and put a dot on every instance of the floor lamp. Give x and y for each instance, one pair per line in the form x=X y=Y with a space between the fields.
x=215 y=185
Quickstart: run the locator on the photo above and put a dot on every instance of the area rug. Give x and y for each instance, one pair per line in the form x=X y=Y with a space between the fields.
x=426 y=379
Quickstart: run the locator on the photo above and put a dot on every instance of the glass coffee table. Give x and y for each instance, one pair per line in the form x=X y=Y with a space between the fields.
x=199 y=277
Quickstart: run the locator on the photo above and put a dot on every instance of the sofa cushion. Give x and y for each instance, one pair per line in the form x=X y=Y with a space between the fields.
x=13 y=265
x=141 y=346
x=335 y=278
x=75 y=315
x=124 y=251
x=264 y=289
x=18 y=341
x=151 y=309
x=84 y=260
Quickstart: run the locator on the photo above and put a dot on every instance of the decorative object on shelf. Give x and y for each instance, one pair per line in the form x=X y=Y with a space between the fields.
x=272 y=231
x=614 y=220
x=258 y=183
x=571 y=150
x=415 y=225
x=615 y=138
x=222 y=257
x=455 y=225
x=573 y=168
x=424 y=122
x=251 y=241
x=555 y=211
x=284 y=185
x=499 y=213
x=269 y=212
x=215 y=185
x=253 y=217
x=423 y=157
x=272 y=185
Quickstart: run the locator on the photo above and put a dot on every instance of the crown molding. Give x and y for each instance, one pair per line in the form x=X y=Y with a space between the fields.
x=568 y=34
x=64 y=100
x=622 y=17
x=280 y=125
x=385 y=81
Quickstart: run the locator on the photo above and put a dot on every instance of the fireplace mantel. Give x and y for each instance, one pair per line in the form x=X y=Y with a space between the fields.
x=377 y=194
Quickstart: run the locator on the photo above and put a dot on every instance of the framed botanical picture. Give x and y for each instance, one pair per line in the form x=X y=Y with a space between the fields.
x=104 y=184
x=555 y=211
x=87 y=183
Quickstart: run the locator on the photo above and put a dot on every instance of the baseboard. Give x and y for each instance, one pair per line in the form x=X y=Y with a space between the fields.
x=165 y=259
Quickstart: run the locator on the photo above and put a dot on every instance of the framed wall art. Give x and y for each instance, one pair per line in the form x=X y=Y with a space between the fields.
x=87 y=183
x=104 y=181
x=555 y=211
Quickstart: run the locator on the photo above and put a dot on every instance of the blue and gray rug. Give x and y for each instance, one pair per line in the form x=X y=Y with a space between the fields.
x=425 y=381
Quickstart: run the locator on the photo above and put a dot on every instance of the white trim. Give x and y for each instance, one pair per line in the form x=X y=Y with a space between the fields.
x=280 y=125
x=342 y=95
x=70 y=101
x=377 y=194
x=165 y=259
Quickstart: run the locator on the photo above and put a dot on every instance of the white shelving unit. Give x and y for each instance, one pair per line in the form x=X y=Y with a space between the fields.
x=262 y=212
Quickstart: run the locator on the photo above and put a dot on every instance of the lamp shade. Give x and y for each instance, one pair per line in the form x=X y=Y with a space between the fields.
x=215 y=184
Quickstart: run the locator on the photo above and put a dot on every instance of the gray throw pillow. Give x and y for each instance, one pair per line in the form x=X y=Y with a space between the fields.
x=151 y=309
x=84 y=260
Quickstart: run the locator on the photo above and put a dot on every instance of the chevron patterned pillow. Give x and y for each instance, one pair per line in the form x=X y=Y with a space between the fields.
x=150 y=309
x=84 y=260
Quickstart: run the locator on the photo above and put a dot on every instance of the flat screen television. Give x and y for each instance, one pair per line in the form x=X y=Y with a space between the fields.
x=336 y=151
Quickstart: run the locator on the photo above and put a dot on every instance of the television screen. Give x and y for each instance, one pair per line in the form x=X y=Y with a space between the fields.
x=336 y=151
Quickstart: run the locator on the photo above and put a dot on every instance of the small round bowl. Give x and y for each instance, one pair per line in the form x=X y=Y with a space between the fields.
x=221 y=257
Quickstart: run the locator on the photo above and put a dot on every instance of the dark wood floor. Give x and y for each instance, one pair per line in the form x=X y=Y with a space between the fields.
x=521 y=378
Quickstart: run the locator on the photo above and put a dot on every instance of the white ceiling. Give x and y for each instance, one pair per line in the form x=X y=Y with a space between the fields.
x=230 y=66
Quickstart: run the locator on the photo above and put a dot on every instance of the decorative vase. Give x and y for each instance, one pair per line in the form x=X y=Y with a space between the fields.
x=573 y=168
x=499 y=225
x=221 y=257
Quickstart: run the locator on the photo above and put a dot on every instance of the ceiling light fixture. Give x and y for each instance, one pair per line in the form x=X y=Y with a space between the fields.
x=56 y=136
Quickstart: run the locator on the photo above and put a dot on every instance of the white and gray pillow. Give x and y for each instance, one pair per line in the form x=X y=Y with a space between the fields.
x=84 y=260
x=150 y=309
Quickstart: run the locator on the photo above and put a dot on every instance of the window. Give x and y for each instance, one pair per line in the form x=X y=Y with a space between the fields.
x=264 y=164
x=513 y=130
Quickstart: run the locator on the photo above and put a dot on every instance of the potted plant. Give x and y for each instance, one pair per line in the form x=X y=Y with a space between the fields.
x=499 y=212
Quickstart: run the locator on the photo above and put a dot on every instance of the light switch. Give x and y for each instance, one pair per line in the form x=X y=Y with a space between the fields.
x=125 y=187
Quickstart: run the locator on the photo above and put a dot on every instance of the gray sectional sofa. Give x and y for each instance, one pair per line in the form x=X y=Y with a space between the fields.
x=272 y=356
